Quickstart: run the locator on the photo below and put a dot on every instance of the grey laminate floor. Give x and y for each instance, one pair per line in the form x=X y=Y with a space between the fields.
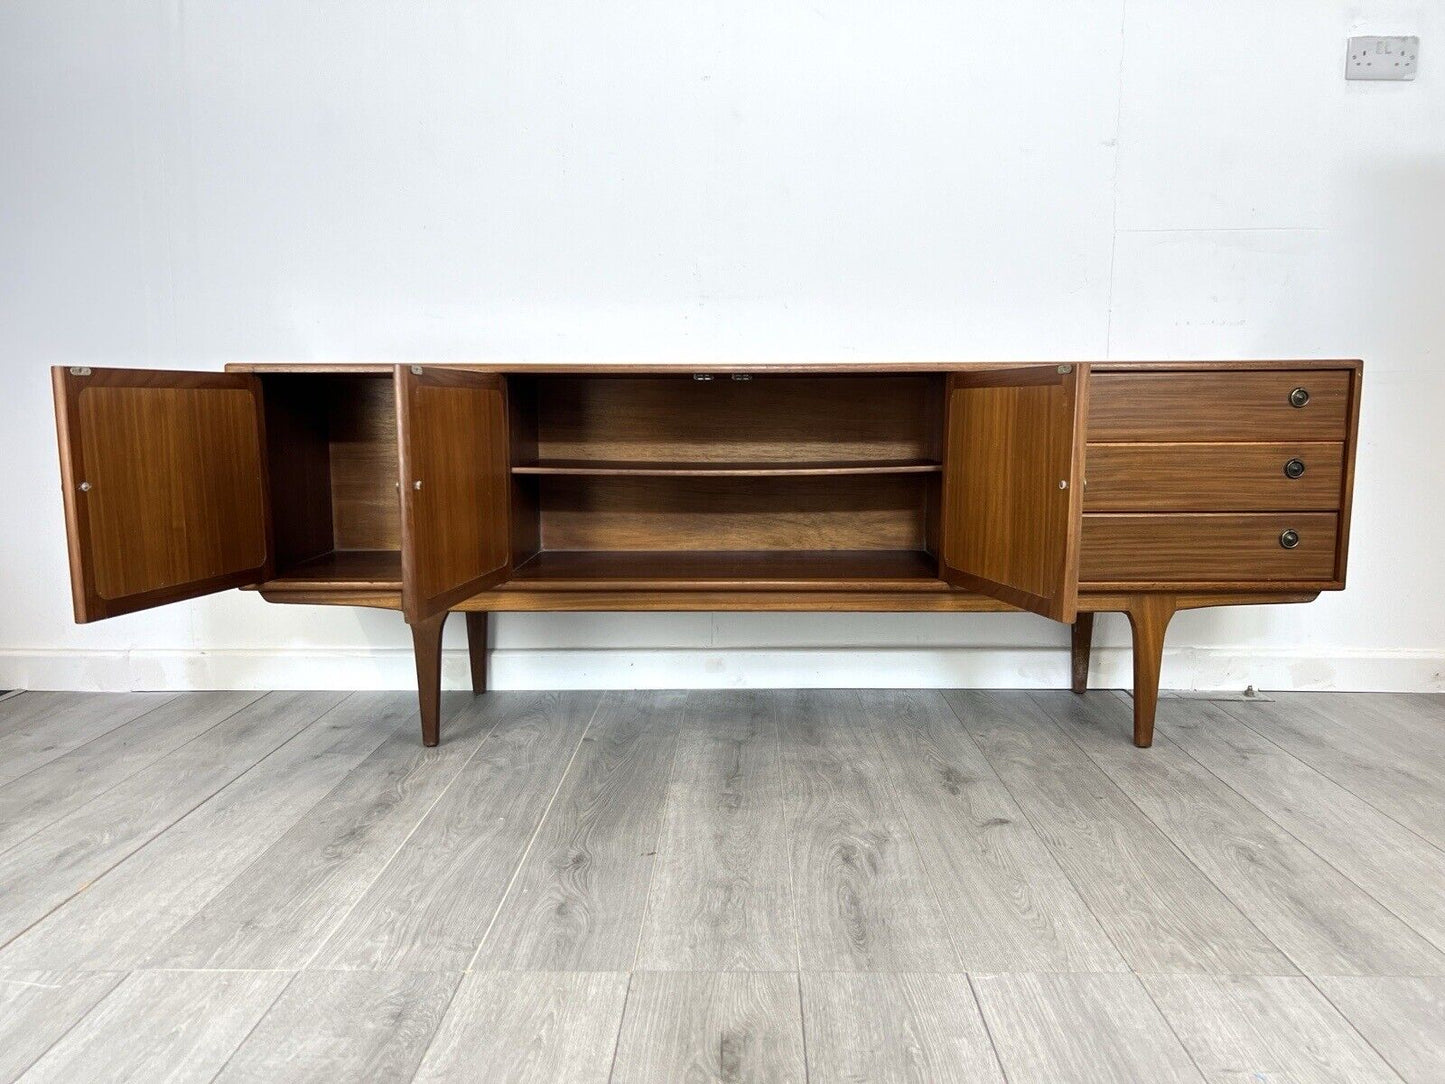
x=740 y=886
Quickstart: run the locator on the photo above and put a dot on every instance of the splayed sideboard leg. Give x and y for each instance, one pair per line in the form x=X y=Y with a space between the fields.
x=1148 y=618
x=477 y=648
x=426 y=639
x=1083 y=641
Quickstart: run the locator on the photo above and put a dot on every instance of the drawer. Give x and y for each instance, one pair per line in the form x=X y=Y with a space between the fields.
x=1160 y=548
x=1190 y=405
x=1213 y=477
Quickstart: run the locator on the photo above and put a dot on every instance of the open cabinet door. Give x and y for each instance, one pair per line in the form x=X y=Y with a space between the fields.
x=455 y=486
x=1013 y=485
x=164 y=475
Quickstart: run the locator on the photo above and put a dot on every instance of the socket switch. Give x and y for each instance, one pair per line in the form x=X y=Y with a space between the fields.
x=1382 y=58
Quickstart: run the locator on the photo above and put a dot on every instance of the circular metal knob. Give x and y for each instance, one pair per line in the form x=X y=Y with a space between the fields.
x=1294 y=468
x=1289 y=539
x=1299 y=397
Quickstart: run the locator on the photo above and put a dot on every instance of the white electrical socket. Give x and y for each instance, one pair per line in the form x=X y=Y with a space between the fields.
x=1382 y=58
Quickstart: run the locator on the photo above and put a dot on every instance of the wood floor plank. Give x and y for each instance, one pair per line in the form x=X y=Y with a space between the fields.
x=1402 y=1018
x=1244 y=1029
x=528 y=1027
x=38 y=1007
x=35 y=728
x=371 y=1026
x=277 y=912
x=162 y=1027
x=432 y=902
x=721 y=897
x=60 y=786
x=1156 y=905
x=1411 y=725
x=864 y=901
x=1324 y=922
x=121 y=917
x=1353 y=743
x=1391 y=863
x=49 y=867
x=711 y=1026
x=1080 y=1029
x=891 y=1027
x=578 y=898
x=1008 y=904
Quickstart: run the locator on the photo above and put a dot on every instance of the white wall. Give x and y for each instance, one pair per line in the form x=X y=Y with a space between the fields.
x=186 y=183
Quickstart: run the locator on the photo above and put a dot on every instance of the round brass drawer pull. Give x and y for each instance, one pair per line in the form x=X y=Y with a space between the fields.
x=1289 y=539
x=1299 y=397
x=1294 y=468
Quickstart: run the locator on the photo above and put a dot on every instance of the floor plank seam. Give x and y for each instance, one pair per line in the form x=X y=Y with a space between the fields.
x=902 y=807
x=441 y=1019
x=1339 y=1010
x=1344 y=786
x=661 y=828
x=1305 y=843
x=1043 y=841
x=124 y=779
x=987 y=1028
x=260 y=1019
x=71 y=1027
x=803 y=1026
x=1168 y=1023
x=157 y=835
x=1166 y=835
x=361 y=892
x=621 y=1021
x=536 y=829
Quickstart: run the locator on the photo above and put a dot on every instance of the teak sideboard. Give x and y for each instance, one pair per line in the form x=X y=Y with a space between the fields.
x=1064 y=489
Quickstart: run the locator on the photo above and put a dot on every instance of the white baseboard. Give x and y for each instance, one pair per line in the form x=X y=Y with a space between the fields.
x=711 y=668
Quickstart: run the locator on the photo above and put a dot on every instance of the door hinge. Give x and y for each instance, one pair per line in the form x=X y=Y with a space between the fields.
x=79 y=370
x=1064 y=370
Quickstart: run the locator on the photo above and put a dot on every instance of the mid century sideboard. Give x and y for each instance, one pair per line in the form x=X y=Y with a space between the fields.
x=1064 y=489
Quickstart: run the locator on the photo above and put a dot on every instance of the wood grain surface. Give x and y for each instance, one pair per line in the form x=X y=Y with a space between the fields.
x=164 y=480
x=1013 y=486
x=1212 y=477
x=1219 y=405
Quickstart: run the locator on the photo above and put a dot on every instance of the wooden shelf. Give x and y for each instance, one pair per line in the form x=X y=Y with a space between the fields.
x=685 y=570
x=343 y=569
x=726 y=469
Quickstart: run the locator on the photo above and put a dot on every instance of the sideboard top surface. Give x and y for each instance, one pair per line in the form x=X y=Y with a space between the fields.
x=779 y=368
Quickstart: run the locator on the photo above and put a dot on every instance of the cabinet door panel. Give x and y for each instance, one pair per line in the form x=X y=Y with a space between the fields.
x=165 y=485
x=455 y=486
x=1013 y=464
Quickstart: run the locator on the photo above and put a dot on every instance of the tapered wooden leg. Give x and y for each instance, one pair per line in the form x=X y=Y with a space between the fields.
x=1148 y=617
x=426 y=641
x=477 y=648
x=1083 y=642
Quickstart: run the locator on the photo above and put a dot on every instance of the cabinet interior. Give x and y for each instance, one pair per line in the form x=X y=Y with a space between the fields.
x=332 y=449
x=635 y=479
x=670 y=478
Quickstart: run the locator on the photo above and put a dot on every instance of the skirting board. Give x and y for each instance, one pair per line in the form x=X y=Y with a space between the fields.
x=711 y=668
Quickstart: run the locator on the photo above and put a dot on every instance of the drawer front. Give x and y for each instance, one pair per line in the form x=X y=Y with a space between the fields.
x=1213 y=477
x=1251 y=405
x=1158 y=548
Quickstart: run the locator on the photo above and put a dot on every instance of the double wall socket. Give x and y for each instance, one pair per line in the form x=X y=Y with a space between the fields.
x=1382 y=58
